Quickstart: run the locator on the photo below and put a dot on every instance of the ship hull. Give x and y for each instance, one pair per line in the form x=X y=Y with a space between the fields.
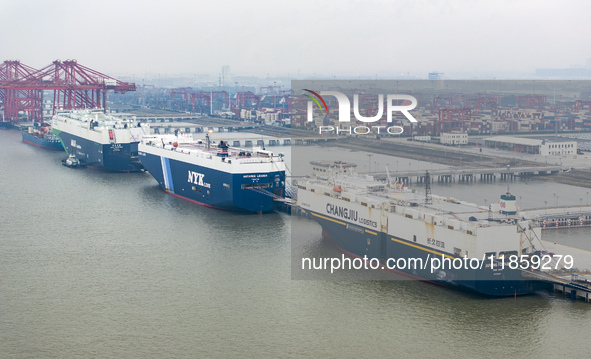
x=215 y=188
x=116 y=157
x=4 y=125
x=41 y=142
x=361 y=242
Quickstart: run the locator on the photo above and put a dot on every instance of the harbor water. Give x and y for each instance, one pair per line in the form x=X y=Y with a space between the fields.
x=106 y=265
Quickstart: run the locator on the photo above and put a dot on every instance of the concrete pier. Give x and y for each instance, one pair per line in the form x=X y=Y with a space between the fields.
x=470 y=174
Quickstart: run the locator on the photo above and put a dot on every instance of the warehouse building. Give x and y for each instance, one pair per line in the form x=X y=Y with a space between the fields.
x=555 y=147
x=453 y=138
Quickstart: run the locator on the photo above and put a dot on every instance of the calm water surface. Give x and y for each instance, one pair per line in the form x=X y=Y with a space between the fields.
x=106 y=265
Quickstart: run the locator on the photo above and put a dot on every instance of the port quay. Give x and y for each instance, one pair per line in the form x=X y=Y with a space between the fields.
x=470 y=174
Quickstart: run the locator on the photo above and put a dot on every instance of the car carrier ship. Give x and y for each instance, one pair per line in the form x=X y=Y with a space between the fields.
x=98 y=140
x=385 y=221
x=215 y=174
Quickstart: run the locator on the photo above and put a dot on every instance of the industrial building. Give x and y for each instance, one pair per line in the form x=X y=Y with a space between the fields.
x=453 y=139
x=544 y=147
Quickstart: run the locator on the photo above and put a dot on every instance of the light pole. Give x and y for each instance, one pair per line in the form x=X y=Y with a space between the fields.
x=545 y=207
x=207 y=138
x=555 y=200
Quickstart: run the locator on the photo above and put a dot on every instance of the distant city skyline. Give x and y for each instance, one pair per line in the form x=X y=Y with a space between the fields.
x=329 y=39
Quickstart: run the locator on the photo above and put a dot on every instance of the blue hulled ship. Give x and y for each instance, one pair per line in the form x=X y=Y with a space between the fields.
x=215 y=174
x=98 y=140
x=41 y=136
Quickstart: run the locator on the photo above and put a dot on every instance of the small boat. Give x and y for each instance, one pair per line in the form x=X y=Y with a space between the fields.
x=41 y=136
x=73 y=162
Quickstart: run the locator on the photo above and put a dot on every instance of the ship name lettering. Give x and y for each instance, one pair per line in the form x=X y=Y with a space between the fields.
x=368 y=222
x=342 y=212
x=197 y=178
x=434 y=242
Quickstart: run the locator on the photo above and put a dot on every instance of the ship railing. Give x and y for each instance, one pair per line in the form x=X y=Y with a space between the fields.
x=246 y=160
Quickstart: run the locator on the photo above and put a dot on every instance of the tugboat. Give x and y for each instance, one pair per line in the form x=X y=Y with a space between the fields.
x=73 y=162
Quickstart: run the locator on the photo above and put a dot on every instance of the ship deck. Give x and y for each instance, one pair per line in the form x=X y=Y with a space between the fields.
x=196 y=147
x=372 y=192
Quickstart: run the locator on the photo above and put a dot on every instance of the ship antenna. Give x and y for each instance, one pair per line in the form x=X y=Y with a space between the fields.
x=428 y=197
x=508 y=180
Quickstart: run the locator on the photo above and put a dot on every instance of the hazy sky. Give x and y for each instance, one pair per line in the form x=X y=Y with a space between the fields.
x=341 y=37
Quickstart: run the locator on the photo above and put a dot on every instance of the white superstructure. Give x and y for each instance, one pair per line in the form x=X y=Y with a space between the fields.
x=95 y=126
x=446 y=225
x=184 y=148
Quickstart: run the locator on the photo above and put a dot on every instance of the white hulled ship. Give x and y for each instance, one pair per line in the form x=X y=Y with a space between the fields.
x=385 y=221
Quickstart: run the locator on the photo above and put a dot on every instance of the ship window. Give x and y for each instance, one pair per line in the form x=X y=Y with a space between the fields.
x=490 y=254
x=256 y=185
x=450 y=227
x=312 y=190
x=408 y=215
x=364 y=204
x=469 y=232
x=414 y=238
x=457 y=252
x=327 y=194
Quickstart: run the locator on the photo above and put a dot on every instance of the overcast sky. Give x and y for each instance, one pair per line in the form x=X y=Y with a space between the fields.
x=341 y=37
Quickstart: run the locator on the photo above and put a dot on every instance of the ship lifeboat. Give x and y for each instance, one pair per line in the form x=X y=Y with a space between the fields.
x=337 y=189
x=399 y=185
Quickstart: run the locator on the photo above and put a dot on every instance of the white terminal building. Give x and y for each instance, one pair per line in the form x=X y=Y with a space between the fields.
x=453 y=138
x=555 y=147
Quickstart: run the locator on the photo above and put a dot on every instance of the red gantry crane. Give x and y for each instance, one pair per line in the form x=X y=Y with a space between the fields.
x=74 y=86
x=15 y=99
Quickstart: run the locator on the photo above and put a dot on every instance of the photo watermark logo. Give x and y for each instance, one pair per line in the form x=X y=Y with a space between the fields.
x=344 y=111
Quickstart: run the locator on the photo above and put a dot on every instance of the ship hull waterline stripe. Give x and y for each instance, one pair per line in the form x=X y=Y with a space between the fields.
x=392 y=238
